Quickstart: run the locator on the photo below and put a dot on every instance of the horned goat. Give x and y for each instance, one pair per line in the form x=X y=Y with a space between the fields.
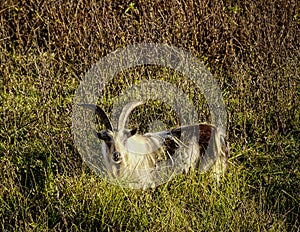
x=138 y=159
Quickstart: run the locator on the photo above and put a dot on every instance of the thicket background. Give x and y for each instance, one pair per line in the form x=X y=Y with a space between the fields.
x=252 y=49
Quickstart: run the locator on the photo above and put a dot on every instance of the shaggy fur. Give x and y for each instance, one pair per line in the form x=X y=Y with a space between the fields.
x=143 y=161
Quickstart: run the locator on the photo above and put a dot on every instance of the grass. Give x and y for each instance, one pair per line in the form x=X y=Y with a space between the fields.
x=251 y=48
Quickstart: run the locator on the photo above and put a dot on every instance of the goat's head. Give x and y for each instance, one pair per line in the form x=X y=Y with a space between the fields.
x=114 y=146
x=115 y=149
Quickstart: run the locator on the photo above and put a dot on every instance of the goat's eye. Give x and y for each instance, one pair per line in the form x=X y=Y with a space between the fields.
x=116 y=156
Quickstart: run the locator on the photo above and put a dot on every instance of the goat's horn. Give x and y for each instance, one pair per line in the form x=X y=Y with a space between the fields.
x=100 y=113
x=125 y=113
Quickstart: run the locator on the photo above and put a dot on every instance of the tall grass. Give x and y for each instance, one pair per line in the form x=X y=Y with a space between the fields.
x=251 y=48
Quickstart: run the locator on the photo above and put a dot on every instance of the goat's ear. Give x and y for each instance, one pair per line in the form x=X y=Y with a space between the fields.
x=133 y=131
x=129 y=133
x=104 y=135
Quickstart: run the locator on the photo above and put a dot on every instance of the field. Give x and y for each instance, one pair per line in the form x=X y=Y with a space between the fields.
x=252 y=49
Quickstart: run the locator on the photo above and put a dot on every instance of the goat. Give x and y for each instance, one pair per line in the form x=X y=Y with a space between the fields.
x=138 y=160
